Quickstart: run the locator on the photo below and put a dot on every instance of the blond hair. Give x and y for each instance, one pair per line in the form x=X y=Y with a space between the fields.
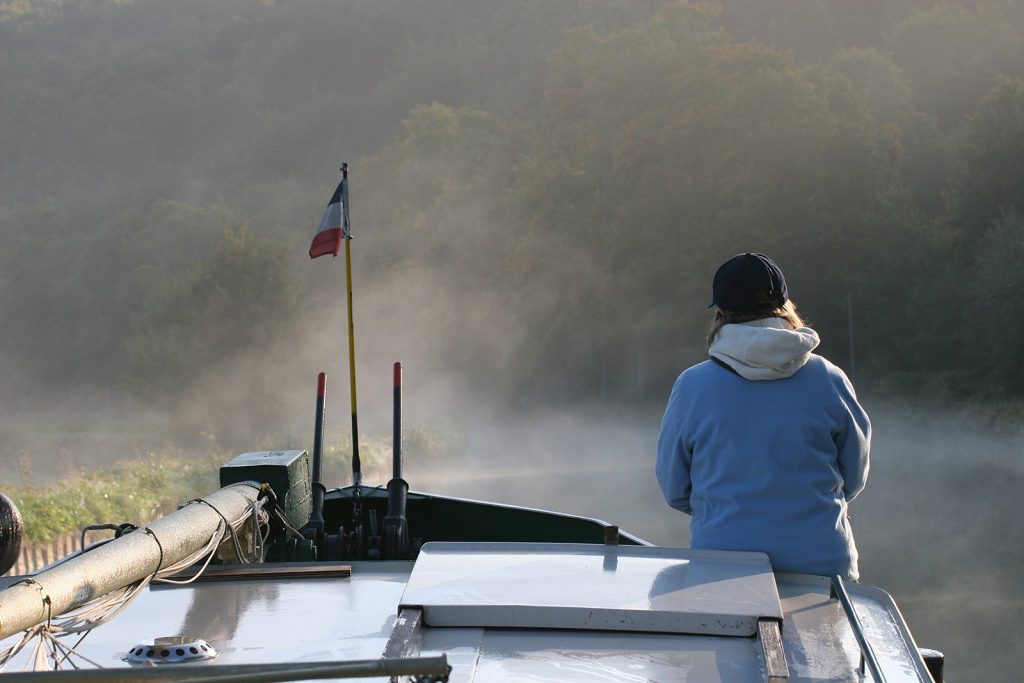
x=786 y=311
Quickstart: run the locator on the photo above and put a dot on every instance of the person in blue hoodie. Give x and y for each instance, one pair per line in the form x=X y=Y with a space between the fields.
x=764 y=444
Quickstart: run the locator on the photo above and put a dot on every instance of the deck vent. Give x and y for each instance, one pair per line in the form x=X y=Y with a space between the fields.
x=172 y=650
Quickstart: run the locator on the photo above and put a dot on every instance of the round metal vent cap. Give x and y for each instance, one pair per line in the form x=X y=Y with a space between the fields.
x=171 y=650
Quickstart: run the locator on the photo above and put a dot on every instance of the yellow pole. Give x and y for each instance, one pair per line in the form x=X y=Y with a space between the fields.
x=357 y=475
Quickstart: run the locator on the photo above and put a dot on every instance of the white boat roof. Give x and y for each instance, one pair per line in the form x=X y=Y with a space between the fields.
x=325 y=617
x=592 y=587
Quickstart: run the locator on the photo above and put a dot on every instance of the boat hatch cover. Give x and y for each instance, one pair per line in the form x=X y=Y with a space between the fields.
x=593 y=587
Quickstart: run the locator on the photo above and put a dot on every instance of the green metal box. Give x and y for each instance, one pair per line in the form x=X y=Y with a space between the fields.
x=287 y=472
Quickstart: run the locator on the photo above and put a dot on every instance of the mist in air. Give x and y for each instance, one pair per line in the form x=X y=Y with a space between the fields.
x=540 y=196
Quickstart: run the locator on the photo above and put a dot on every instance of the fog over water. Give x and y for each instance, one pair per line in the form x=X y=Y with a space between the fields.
x=937 y=526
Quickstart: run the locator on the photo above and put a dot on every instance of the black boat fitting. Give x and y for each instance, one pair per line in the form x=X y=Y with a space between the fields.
x=12 y=533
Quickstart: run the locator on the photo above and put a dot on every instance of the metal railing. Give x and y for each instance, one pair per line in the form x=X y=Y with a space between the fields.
x=867 y=655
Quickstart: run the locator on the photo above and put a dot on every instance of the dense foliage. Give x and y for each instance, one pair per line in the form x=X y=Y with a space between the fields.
x=581 y=167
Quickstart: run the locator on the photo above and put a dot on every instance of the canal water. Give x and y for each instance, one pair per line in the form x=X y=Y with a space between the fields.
x=937 y=526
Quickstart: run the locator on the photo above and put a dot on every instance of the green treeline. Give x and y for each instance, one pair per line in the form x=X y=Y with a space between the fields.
x=571 y=172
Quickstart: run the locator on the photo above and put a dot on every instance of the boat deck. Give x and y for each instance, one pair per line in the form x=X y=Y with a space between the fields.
x=327 y=615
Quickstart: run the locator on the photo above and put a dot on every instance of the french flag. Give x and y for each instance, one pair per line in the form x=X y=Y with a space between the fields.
x=334 y=224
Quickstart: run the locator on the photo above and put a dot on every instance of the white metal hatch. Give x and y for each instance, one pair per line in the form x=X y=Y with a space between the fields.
x=593 y=587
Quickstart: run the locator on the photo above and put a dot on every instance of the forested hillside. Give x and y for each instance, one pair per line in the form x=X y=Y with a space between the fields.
x=548 y=186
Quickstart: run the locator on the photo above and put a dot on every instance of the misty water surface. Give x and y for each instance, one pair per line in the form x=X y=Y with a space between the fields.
x=935 y=526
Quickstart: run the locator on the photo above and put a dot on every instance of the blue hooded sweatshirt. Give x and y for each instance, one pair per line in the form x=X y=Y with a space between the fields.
x=765 y=448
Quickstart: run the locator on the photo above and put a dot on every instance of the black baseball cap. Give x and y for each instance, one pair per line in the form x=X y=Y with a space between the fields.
x=747 y=283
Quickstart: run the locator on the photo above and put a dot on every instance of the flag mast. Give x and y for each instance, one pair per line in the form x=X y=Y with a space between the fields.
x=334 y=228
x=357 y=474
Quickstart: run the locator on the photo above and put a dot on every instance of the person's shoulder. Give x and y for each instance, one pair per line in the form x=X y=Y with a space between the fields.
x=694 y=375
x=699 y=371
x=825 y=368
x=825 y=365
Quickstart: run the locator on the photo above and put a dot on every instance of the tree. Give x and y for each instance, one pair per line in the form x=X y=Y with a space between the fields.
x=240 y=298
x=994 y=311
x=953 y=55
x=992 y=160
x=667 y=148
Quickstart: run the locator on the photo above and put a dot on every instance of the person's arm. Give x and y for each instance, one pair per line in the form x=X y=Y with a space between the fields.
x=673 y=464
x=853 y=443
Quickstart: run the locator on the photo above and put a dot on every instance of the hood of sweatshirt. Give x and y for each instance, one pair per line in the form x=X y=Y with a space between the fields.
x=764 y=349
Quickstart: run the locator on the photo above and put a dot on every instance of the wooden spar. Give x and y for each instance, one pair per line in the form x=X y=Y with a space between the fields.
x=121 y=562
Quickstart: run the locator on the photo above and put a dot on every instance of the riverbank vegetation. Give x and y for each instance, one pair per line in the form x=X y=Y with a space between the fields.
x=138 y=490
